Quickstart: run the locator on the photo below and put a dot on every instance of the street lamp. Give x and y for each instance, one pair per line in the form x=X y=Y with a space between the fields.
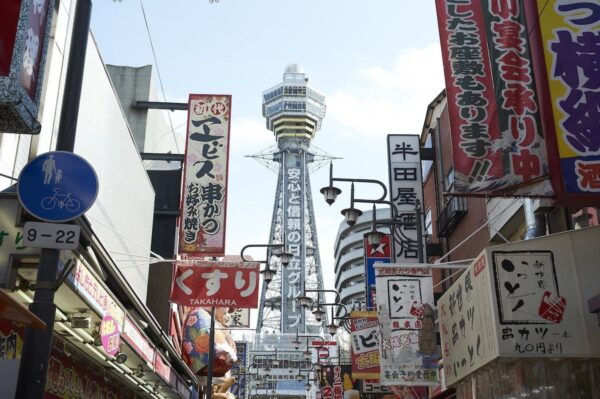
x=351 y=214
x=282 y=253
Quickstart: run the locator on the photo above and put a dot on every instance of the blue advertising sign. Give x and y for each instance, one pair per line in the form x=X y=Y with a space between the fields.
x=57 y=186
x=381 y=253
x=239 y=386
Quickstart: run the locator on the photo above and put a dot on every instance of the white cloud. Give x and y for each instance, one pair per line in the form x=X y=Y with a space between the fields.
x=249 y=134
x=390 y=100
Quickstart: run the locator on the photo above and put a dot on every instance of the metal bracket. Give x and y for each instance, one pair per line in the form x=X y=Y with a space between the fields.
x=63 y=275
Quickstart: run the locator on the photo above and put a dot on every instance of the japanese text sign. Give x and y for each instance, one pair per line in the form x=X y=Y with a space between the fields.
x=522 y=299
x=110 y=335
x=142 y=346
x=88 y=286
x=571 y=48
x=406 y=189
x=337 y=383
x=204 y=199
x=295 y=236
x=404 y=309
x=381 y=253
x=213 y=283
x=365 y=344
x=497 y=143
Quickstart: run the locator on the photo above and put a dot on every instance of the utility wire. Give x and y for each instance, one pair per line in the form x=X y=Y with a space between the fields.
x=162 y=88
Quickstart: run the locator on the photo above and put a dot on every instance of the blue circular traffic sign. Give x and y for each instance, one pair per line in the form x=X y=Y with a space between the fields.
x=57 y=186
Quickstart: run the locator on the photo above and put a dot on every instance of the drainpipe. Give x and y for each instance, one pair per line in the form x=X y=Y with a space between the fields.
x=536 y=222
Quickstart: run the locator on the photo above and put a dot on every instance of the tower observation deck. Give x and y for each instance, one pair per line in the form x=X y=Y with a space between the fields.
x=294 y=111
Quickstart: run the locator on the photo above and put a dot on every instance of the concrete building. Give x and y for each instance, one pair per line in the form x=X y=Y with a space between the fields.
x=111 y=265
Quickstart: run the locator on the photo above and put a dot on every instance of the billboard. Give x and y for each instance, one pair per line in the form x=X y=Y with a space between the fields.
x=214 y=283
x=381 y=253
x=572 y=81
x=24 y=35
x=523 y=299
x=204 y=198
x=497 y=142
x=405 y=311
x=365 y=344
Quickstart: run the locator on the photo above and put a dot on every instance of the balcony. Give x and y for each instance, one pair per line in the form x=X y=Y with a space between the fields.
x=455 y=209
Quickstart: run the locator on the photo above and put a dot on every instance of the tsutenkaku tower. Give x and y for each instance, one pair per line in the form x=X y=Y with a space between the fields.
x=293 y=111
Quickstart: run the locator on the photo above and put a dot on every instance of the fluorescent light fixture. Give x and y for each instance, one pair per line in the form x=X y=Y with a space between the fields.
x=60 y=315
x=23 y=295
x=67 y=329
x=134 y=382
x=95 y=351
x=85 y=335
x=126 y=369
x=114 y=366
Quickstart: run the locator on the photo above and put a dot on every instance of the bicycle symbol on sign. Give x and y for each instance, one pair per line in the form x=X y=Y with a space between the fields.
x=62 y=201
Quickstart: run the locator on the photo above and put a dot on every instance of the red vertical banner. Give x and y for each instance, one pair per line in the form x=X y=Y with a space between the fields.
x=497 y=143
x=204 y=198
x=8 y=31
x=34 y=40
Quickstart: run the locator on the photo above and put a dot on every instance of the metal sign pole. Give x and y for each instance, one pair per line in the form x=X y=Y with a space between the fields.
x=37 y=344
x=211 y=354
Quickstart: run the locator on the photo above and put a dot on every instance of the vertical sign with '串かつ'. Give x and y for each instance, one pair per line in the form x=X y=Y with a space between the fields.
x=204 y=199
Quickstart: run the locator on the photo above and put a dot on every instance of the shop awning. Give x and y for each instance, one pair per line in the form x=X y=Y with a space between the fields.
x=12 y=310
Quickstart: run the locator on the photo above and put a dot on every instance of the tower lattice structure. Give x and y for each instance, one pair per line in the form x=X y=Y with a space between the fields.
x=294 y=111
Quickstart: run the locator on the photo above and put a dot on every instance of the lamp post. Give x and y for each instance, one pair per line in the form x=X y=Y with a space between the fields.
x=352 y=214
x=283 y=255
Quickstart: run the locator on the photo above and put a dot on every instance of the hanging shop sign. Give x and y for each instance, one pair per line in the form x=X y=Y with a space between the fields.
x=110 y=335
x=364 y=331
x=134 y=337
x=323 y=351
x=204 y=199
x=24 y=36
x=11 y=348
x=568 y=35
x=381 y=253
x=239 y=318
x=337 y=383
x=497 y=140
x=213 y=283
x=406 y=189
x=404 y=298
x=523 y=299
x=85 y=284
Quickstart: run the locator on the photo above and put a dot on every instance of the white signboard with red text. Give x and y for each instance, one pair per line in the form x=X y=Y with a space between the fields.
x=523 y=299
x=204 y=198
x=214 y=283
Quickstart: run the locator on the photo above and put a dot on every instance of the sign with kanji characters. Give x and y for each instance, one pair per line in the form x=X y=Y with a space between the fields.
x=406 y=189
x=239 y=318
x=365 y=344
x=204 y=199
x=381 y=253
x=213 y=283
x=404 y=302
x=337 y=383
x=497 y=140
x=294 y=205
x=24 y=35
x=522 y=299
x=571 y=48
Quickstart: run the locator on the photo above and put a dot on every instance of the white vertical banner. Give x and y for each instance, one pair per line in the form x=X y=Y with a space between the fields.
x=406 y=188
x=204 y=198
x=405 y=310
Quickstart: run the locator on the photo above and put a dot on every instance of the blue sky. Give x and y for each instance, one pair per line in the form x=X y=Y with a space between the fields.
x=377 y=61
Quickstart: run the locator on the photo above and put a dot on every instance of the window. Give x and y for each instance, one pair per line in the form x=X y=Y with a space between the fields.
x=428 y=226
x=427 y=164
x=450 y=180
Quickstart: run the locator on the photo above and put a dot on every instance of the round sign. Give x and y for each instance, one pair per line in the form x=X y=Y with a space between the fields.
x=109 y=335
x=57 y=186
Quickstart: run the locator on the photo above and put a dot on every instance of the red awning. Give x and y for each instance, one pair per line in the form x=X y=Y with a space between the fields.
x=12 y=310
